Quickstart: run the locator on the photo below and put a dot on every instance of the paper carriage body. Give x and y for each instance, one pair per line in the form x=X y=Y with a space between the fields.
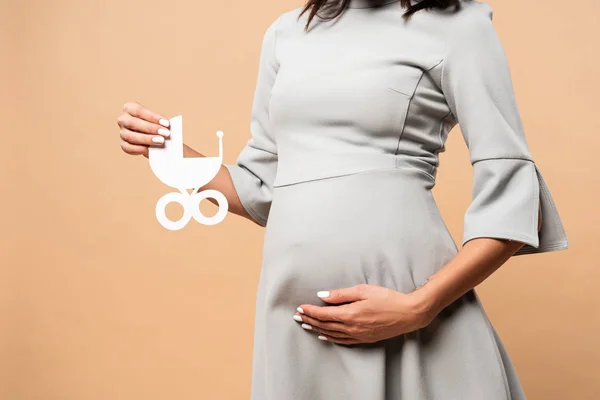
x=174 y=170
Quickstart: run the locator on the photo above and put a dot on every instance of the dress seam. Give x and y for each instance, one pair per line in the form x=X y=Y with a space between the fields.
x=406 y=112
x=263 y=149
x=363 y=171
x=536 y=200
x=545 y=195
x=554 y=246
x=442 y=122
x=247 y=205
x=506 y=235
x=250 y=210
x=275 y=39
x=503 y=158
x=277 y=22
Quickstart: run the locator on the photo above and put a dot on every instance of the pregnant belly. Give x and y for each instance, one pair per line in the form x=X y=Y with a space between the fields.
x=380 y=227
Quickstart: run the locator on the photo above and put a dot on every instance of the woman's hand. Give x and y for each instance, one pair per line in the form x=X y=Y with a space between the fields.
x=364 y=314
x=141 y=128
x=368 y=313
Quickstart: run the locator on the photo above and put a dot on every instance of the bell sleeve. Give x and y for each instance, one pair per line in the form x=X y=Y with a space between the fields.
x=509 y=193
x=254 y=172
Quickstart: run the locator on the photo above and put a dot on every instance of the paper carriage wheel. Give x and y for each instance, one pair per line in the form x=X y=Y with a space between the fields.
x=209 y=194
x=191 y=208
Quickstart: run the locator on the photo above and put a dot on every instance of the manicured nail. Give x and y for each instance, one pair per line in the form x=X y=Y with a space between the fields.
x=158 y=139
x=164 y=122
x=307 y=326
x=164 y=132
x=300 y=310
x=321 y=337
x=324 y=293
x=298 y=318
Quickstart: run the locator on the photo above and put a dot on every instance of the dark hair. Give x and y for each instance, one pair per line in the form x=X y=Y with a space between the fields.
x=335 y=8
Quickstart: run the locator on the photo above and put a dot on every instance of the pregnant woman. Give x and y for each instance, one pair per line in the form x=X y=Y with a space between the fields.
x=363 y=294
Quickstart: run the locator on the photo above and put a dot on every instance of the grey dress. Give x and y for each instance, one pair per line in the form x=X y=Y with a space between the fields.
x=347 y=124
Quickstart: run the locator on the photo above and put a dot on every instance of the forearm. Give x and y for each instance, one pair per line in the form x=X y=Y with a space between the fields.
x=476 y=261
x=221 y=182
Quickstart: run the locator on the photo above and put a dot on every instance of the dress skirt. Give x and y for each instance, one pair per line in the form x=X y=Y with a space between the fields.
x=379 y=227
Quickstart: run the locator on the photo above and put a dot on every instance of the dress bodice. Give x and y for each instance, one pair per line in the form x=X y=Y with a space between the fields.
x=371 y=90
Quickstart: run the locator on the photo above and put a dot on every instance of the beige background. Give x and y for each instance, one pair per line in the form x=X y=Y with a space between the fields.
x=99 y=302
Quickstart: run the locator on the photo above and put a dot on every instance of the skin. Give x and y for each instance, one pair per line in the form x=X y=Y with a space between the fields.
x=368 y=313
x=138 y=126
x=362 y=313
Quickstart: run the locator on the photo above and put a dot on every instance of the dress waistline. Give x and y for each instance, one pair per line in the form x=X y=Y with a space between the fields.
x=291 y=171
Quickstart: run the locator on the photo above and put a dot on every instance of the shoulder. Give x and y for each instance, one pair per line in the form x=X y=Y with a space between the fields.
x=283 y=21
x=292 y=19
x=471 y=17
x=466 y=30
x=472 y=10
x=448 y=28
x=465 y=40
x=288 y=17
x=473 y=20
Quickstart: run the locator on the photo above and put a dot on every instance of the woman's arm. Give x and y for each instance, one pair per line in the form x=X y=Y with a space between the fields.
x=474 y=263
x=141 y=128
x=369 y=313
x=221 y=182
x=247 y=184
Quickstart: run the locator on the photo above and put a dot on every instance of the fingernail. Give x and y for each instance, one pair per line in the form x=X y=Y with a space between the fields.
x=307 y=326
x=300 y=310
x=324 y=293
x=164 y=132
x=321 y=337
x=163 y=122
x=158 y=139
x=298 y=318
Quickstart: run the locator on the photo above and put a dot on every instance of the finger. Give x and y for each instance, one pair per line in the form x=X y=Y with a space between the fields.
x=344 y=295
x=141 y=138
x=326 y=332
x=142 y=126
x=333 y=334
x=320 y=325
x=134 y=149
x=338 y=340
x=342 y=313
x=137 y=110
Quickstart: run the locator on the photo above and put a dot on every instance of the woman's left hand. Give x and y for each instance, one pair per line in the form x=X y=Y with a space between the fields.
x=364 y=314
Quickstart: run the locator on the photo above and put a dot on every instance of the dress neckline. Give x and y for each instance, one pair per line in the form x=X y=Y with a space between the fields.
x=369 y=3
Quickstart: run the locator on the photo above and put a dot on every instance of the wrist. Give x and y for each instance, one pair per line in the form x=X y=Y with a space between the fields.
x=425 y=303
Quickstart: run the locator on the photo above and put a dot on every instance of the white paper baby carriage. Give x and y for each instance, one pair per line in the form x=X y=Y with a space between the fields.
x=171 y=168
